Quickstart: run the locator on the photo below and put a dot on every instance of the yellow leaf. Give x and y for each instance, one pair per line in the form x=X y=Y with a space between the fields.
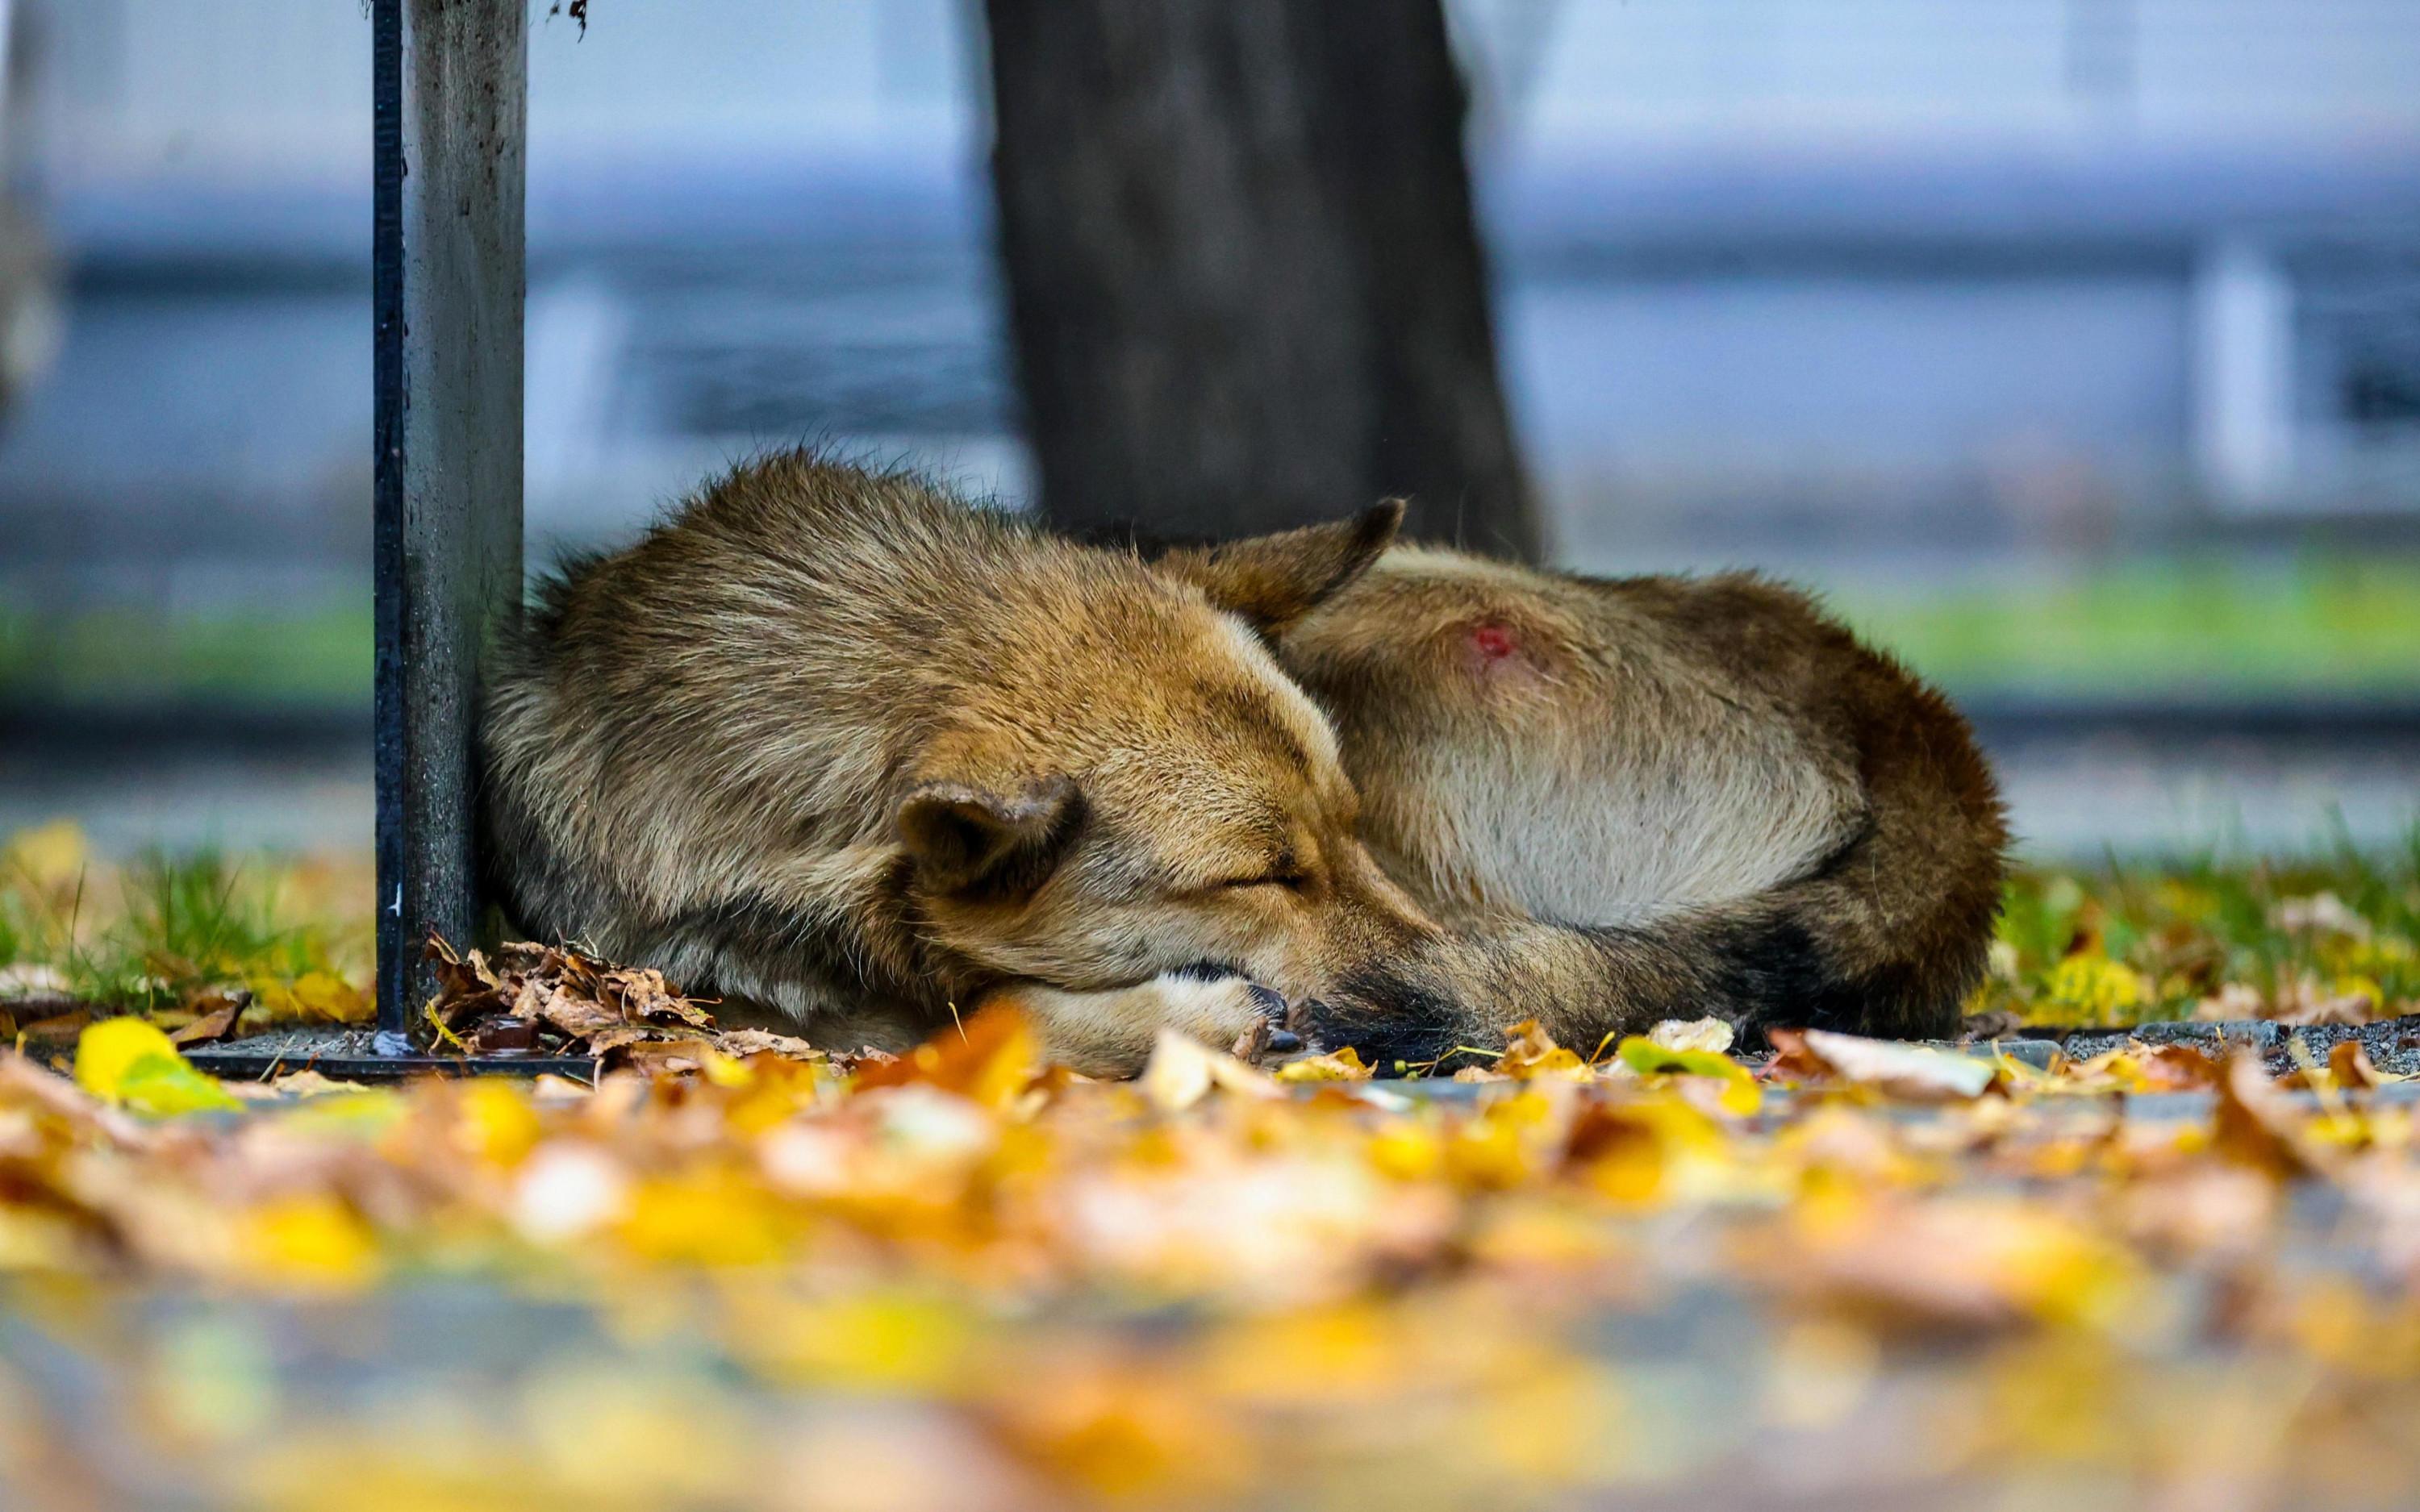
x=313 y=1241
x=1741 y=1096
x=2099 y=988
x=1344 y=1065
x=497 y=1124
x=321 y=996
x=884 y=1340
x=1647 y=1058
x=1529 y=1051
x=1407 y=1152
x=2353 y=984
x=1488 y=1153
x=706 y=1219
x=130 y=1061
x=347 y=1112
x=53 y=856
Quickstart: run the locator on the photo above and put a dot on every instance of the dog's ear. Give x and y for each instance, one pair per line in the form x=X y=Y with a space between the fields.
x=1273 y=580
x=966 y=840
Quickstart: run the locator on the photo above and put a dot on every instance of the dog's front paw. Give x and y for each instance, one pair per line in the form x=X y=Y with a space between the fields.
x=1236 y=1014
x=1111 y=1033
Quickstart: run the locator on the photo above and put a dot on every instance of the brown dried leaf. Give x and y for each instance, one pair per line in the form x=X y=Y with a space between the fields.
x=2177 y=1068
x=218 y=1016
x=2350 y=1064
x=660 y=1057
x=2256 y=1126
x=741 y=1043
x=615 y=1036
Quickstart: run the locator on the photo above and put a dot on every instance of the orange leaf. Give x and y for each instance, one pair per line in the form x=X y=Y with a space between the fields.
x=989 y=1061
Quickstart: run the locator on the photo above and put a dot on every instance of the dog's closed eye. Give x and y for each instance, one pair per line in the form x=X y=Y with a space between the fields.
x=1207 y=971
x=1285 y=872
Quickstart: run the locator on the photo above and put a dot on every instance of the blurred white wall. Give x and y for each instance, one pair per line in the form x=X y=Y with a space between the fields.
x=279 y=89
x=1775 y=272
x=1811 y=73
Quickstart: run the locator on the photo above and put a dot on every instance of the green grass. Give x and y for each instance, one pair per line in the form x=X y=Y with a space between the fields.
x=2326 y=625
x=311 y=655
x=2337 y=624
x=2185 y=930
x=159 y=931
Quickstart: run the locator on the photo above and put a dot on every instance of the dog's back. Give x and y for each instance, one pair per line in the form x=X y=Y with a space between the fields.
x=1727 y=802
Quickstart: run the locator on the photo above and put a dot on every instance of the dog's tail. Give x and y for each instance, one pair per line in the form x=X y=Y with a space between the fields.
x=1889 y=935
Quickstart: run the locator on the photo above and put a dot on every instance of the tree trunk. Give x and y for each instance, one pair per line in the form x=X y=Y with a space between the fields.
x=1243 y=278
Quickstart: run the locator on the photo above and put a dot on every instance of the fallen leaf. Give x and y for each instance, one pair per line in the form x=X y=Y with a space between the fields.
x=2234 y=1001
x=2177 y=1068
x=2256 y=1126
x=1709 y=1034
x=1904 y=1070
x=308 y=1083
x=1343 y=1065
x=1739 y=1092
x=2349 y=1063
x=130 y=1061
x=1529 y=1051
x=313 y=997
x=312 y=1241
x=1182 y=1071
x=58 y=1029
x=989 y=1061
x=211 y=1025
x=1967 y=1264
x=741 y=1043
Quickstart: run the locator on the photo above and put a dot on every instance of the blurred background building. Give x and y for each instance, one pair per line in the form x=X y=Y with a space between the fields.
x=2071 y=347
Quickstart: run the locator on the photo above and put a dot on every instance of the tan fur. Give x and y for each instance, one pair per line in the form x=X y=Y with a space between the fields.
x=1602 y=773
x=830 y=741
x=1646 y=797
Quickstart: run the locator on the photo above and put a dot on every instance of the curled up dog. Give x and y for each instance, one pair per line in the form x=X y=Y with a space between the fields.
x=834 y=742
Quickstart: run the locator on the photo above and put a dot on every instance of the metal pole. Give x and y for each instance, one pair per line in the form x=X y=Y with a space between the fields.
x=450 y=118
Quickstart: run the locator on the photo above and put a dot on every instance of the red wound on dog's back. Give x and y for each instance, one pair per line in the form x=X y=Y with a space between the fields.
x=1493 y=641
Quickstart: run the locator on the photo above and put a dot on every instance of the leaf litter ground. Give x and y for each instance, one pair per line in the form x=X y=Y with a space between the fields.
x=742 y=1272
